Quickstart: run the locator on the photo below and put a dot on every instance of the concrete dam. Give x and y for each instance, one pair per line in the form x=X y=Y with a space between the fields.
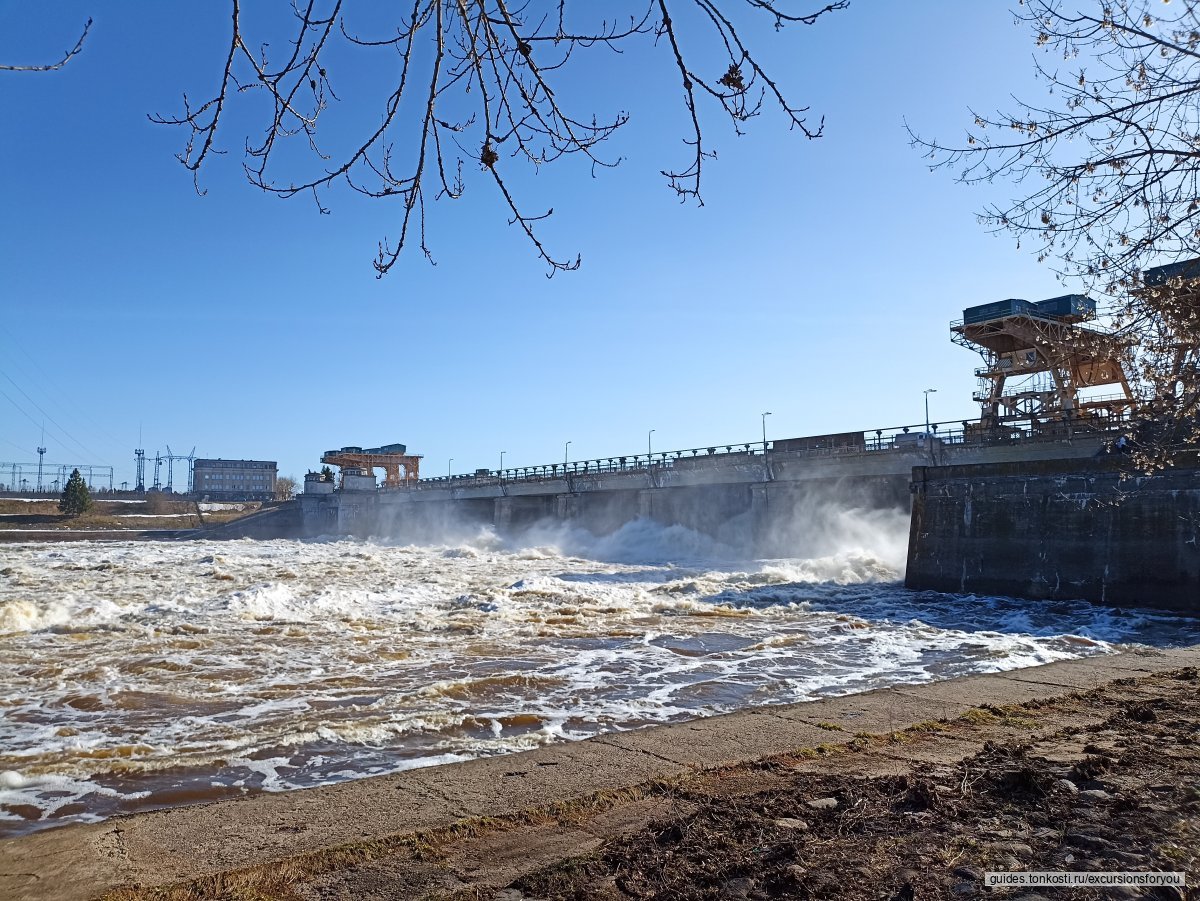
x=1026 y=501
x=1041 y=364
x=756 y=497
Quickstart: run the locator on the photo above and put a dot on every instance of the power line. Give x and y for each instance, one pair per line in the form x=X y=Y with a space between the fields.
x=85 y=449
x=26 y=414
x=63 y=400
x=14 y=444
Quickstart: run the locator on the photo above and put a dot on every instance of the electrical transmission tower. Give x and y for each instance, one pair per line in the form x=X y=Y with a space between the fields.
x=171 y=457
x=140 y=456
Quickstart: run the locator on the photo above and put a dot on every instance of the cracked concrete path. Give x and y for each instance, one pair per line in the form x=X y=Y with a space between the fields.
x=180 y=844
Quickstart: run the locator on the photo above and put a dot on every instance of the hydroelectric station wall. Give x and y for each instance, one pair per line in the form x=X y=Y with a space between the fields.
x=1093 y=529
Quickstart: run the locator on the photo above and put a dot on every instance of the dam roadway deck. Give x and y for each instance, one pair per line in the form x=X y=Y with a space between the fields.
x=745 y=497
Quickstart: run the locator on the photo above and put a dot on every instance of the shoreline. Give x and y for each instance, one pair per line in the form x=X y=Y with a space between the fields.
x=49 y=536
x=183 y=844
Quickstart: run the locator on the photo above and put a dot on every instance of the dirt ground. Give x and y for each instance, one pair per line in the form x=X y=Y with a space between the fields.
x=1122 y=794
x=1107 y=779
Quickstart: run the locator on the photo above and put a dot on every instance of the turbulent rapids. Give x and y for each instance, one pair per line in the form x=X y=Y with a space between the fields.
x=141 y=675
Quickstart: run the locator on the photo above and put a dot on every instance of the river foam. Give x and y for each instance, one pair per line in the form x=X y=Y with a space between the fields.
x=138 y=675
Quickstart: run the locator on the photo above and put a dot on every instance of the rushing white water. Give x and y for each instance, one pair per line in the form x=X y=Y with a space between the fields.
x=136 y=675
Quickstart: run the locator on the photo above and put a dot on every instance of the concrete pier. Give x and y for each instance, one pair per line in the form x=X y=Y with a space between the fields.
x=1093 y=529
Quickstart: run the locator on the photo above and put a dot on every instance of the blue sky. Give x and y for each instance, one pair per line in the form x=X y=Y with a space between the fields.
x=817 y=282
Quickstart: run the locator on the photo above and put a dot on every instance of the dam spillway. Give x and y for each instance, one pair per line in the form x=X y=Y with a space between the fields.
x=756 y=497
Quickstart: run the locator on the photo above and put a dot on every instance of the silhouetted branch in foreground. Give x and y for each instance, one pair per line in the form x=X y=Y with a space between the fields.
x=52 y=66
x=480 y=82
x=1107 y=178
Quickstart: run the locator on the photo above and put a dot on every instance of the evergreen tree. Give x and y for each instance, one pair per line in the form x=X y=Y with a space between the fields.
x=326 y=474
x=76 y=498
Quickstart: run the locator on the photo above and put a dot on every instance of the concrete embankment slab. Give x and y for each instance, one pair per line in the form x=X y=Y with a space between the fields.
x=176 y=845
x=876 y=712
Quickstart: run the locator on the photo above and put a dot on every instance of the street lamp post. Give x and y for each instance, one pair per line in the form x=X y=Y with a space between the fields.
x=649 y=446
x=566 y=447
x=448 y=465
x=928 y=391
x=764 y=425
x=502 y=453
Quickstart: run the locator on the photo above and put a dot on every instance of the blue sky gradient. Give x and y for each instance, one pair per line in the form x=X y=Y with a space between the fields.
x=817 y=282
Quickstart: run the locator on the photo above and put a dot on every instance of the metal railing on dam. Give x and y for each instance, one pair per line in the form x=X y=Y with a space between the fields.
x=959 y=436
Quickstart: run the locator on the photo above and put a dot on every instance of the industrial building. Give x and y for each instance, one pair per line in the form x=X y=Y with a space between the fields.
x=234 y=480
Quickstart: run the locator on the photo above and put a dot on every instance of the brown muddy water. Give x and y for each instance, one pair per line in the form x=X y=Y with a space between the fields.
x=143 y=675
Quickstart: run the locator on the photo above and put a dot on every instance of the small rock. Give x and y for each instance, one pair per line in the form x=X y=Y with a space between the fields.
x=1009 y=864
x=508 y=894
x=1127 y=858
x=796 y=871
x=823 y=803
x=1019 y=849
x=968 y=873
x=738 y=888
x=1031 y=898
x=791 y=823
x=1122 y=891
x=1091 y=842
x=1045 y=832
x=1067 y=785
x=963 y=888
x=1095 y=794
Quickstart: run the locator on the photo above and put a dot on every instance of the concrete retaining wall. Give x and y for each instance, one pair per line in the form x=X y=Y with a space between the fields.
x=1058 y=529
x=280 y=521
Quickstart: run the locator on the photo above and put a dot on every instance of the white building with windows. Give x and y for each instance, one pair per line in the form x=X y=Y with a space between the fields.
x=234 y=480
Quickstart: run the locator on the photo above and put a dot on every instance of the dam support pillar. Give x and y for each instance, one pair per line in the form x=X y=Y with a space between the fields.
x=502 y=512
x=760 y=530
x=318 y=515
x=566 y=507
x=645 y=503
x=514 y=512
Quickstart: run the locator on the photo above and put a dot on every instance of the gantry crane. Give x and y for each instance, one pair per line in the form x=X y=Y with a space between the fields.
x=400 y=468
x=1052 y=357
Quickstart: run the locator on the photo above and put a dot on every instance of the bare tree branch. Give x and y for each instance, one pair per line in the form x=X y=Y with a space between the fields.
x=1108 y=178
x=74 y=51
x=489 y=75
